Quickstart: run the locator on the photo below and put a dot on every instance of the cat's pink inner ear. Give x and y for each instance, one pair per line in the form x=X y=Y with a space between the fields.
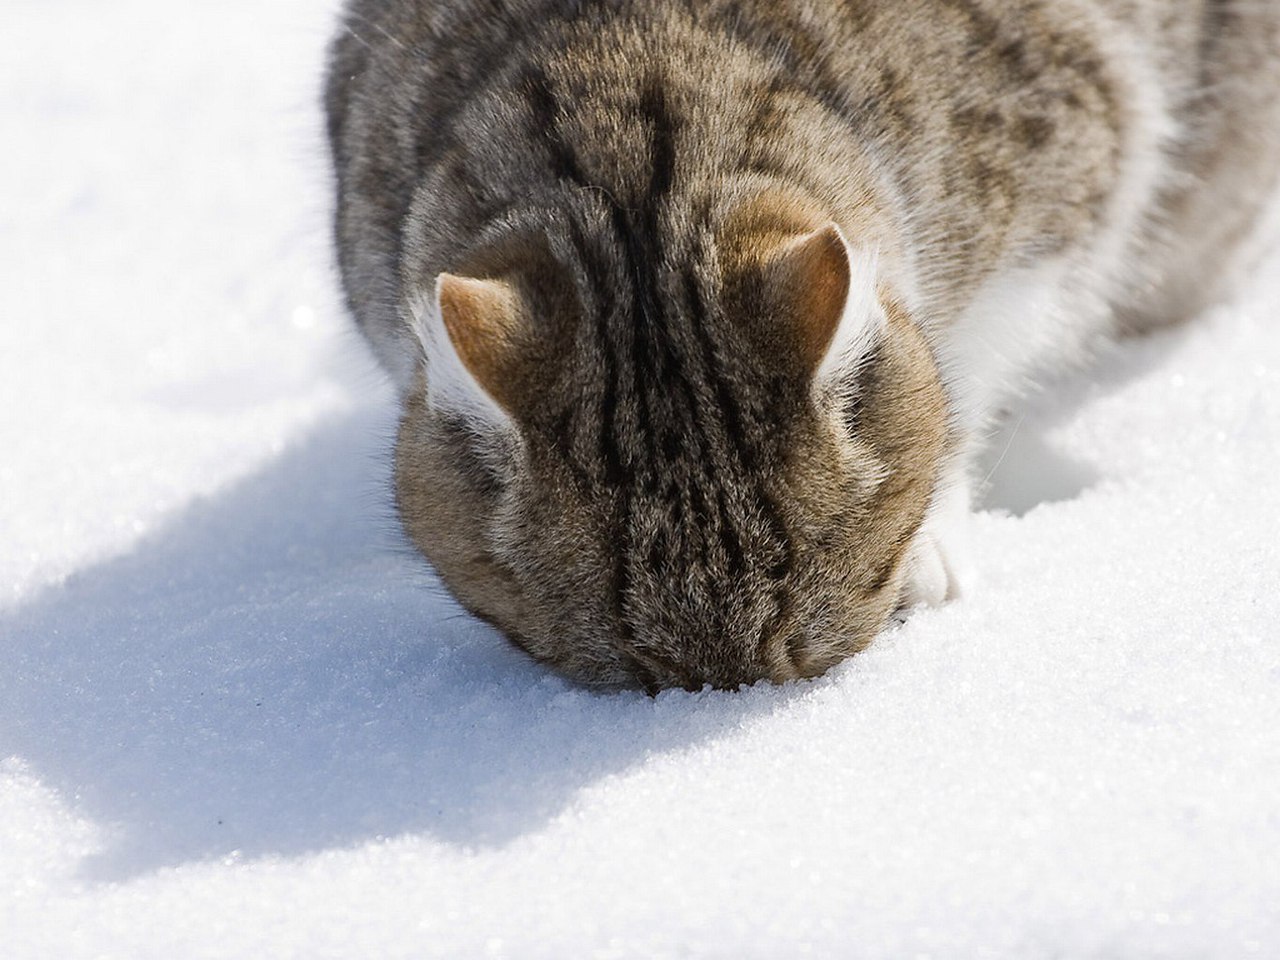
x=813 y=273
x=481 y=318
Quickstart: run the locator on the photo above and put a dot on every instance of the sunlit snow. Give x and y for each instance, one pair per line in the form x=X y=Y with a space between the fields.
x=239 y=718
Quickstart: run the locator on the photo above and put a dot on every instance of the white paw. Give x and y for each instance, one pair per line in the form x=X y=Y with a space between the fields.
x=927 y=582
x=939 y=565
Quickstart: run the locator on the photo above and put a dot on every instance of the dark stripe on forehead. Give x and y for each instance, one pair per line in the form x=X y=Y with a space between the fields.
x=738 y=434
x=653 y=107
x=725 y=399
x=654 y=359
x=597 y=273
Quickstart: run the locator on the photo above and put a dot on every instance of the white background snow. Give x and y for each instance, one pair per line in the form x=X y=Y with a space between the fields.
x=242 y=720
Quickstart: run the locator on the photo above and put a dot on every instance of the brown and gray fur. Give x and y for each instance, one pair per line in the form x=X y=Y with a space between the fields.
x=637 y=221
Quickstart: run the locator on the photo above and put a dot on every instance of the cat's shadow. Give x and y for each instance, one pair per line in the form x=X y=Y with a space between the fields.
x=1021 y=467
x=274 y=674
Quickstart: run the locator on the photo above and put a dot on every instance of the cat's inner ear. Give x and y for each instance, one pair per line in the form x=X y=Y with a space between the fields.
x=469 y=335
x=480 y=317
x=826 y=290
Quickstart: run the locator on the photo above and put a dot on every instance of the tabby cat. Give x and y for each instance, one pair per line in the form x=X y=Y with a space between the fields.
x=700 y=308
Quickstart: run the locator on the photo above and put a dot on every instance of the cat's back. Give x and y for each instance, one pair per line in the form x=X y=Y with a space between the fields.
x=1220 y=60
x=1005 y=122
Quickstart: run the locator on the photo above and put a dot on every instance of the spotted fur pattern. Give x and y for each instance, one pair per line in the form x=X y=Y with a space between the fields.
x=664 y=488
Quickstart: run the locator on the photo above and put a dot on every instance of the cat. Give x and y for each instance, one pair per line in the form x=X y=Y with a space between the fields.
x=699 y=310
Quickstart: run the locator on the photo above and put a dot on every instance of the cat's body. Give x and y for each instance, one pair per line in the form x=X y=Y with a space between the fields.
x=699 y=307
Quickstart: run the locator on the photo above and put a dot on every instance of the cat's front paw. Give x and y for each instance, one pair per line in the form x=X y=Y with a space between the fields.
x=938 y=564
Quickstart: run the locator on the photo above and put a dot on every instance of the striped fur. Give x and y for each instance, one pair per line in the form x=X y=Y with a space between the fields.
x=651 y=481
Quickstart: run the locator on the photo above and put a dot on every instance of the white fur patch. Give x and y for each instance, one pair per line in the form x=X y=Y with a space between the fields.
x=861 y=322
x=1017 y=323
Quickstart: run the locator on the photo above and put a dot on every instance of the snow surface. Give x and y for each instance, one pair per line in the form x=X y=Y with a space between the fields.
x=241 y=720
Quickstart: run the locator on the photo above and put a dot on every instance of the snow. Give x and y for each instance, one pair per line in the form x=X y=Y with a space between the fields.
x=238 y=718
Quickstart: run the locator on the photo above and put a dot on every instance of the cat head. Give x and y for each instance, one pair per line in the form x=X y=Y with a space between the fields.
x=670 y=465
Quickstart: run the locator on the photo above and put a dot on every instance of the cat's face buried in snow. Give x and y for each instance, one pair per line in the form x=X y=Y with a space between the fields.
x=662 y=424
x=715 y=484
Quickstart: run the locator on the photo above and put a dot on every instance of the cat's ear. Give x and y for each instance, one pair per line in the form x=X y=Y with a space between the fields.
x=480 y=317
x=468 y=328
x=827 y=290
